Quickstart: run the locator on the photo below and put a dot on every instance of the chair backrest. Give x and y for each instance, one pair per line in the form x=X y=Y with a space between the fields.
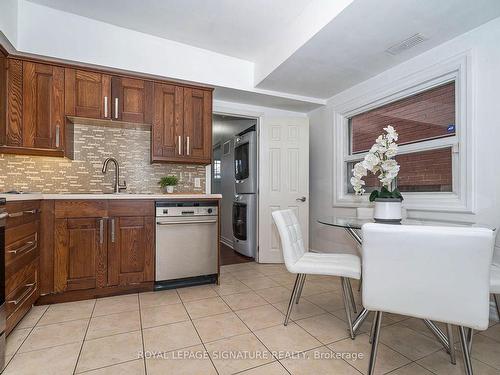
x=291 y=236
x=436 y=273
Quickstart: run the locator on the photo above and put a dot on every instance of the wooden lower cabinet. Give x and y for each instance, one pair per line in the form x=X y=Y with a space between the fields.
x=130 y=250
x=80 y=254
x=100 y=248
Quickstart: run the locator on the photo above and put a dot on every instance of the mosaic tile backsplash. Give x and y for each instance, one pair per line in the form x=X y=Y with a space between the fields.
x=93 y=144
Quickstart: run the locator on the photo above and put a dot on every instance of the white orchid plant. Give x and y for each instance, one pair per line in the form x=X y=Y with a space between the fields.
x=380 y=161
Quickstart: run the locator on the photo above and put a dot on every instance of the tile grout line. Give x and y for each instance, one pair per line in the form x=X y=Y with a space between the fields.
x=85 y=335
x=142 y=336
x=254 y=335
x=196 y=330
x=29 y=333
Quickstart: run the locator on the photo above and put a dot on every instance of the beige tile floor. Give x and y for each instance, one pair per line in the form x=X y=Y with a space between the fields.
x=236 y=327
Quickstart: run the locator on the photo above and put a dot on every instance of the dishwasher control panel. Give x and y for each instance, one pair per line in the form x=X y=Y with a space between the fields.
x=202 y=208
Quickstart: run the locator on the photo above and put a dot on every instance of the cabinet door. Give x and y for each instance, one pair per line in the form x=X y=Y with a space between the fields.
x=14 y=124
x=43 y=106
x=87 y=94
x=167 y=123
x=197 y=125
x=130 y=250
x=80 y=254
x=132 y=100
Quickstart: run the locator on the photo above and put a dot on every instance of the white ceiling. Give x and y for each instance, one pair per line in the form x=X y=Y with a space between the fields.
x=351 y=48
x=348 y=48
x=231 y=27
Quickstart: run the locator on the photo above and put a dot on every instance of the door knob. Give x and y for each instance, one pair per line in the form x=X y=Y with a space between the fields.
x=301 y=199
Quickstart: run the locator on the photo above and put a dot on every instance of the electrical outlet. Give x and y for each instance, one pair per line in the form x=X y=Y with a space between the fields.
x=197 y=182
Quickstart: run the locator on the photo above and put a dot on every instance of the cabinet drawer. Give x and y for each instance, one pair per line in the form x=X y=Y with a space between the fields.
x=22 y=213
x=131 y=208
x=20 y=253
x=81 y=208
x=21 y=290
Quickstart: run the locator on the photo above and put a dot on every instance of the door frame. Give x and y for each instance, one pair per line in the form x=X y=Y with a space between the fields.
x=249 y=115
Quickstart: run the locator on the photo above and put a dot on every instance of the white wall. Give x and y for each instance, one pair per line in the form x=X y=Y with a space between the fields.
x=8 y=20
x=483 y=43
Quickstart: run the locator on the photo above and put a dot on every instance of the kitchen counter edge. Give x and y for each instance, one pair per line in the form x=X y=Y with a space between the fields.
x=31 y=197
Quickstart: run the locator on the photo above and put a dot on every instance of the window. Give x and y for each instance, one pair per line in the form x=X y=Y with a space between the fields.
x=426 y=123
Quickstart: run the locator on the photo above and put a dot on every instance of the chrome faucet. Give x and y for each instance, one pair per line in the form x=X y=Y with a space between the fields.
x=117 y=186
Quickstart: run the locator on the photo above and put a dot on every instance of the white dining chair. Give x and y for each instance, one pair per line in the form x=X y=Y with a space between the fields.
x=436 y=273
x=302 y=262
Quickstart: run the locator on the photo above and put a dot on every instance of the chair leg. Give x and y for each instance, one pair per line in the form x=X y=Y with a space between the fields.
x=451 y=341
x=345 y=294
x=496 y=297
x=292 y=298
x=377 y=319
x=465 y=350
x=470 y=333
x=301 y=286
x=359 y=284
x=372 y=330
x=351 y=297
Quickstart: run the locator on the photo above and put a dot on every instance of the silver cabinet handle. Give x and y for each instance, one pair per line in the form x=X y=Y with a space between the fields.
x=113 y=230
x=187 y=146
x=28 y=246
x=23 y=295
x=58 y=130
x=101 y=231
x=187 y=222
x=21 y=213
x=116 y=108
x=180 y=145
x=105 y=107
x=301 y=199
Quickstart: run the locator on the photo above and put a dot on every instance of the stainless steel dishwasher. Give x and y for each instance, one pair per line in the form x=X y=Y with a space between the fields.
x=186 y=243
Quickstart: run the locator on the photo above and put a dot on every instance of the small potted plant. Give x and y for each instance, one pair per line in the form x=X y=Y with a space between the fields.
x=167 y=183
x=380 y=161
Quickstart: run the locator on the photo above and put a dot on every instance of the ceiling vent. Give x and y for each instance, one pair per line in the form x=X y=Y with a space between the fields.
x=406 y=44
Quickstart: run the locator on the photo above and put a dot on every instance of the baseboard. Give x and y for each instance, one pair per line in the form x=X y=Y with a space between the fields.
x=227 y=242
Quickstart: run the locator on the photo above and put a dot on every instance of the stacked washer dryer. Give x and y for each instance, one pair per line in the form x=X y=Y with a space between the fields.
x=245 y=199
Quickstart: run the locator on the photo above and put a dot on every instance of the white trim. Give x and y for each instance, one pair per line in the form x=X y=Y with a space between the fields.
x=458 y=69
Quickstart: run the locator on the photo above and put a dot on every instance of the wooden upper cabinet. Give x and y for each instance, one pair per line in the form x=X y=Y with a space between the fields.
x=198 y=125
x=167 y=132
x=182 y=125
x=132 y=100
x=130 y=250
x=43 y=106
x=80 y=254
x=88 y=94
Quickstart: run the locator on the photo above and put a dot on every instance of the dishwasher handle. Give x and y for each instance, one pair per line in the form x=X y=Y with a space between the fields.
x=186 y=222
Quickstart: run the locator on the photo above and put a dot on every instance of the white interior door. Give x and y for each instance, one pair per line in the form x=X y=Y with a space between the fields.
x=283 y=179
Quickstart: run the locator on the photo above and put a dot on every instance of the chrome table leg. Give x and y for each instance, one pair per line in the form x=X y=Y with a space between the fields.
x=351 y=296
x=496 y=297
x=438 y=334
x=359 y=320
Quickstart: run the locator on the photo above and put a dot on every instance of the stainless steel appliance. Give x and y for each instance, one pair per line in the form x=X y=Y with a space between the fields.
x=245 y=161
x=3 y=217
x=245 y=224
x=186 y=243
